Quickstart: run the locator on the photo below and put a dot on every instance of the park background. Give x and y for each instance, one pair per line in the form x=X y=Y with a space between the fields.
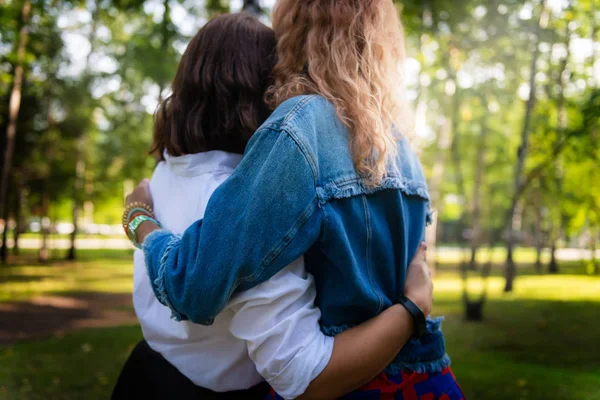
x=506 y=95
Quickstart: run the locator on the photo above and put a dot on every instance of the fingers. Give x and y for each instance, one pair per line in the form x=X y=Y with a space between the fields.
x=140 y=193
x=421 y=254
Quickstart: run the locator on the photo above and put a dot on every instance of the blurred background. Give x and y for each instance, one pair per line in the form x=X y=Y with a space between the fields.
x=507 y=101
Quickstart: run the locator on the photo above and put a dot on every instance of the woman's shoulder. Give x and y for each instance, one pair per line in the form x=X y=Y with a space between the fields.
x=300 y=110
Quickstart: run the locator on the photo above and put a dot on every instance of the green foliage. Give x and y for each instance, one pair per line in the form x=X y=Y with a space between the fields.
x=470 y=66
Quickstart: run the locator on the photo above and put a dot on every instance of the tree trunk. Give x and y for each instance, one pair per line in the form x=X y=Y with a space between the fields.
x=4 y=249
x=596 y=84
x=476 y=201
x=539 y=248
x=595 y=268
x=77 y=204
x=456 y=162
x=553 y=266
x=435 y=191
x=594 y=34
x=442 y=140
x=14 y=106
x=474 y=308
x=561 y=125
x=539 y=233
x=18 y=219
x=164 y=45
x=510 y=268
x=80 y=166
x=45 y=225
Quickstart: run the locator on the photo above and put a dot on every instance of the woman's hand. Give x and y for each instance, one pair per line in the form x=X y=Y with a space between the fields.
x=141 y=194
x=419 y=287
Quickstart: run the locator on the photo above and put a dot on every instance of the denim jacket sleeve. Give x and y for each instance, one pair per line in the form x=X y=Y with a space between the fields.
x=262 y=218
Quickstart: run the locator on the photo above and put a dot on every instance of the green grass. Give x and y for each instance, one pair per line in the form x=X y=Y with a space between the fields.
x=95 y=271
x=82 y=365
x=540 y=342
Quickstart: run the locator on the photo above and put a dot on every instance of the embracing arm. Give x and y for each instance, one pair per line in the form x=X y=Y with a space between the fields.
x=364 y=351
x=261 y=219
x=280 y=324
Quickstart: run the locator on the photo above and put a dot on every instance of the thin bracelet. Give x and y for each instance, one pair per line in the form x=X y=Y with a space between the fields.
x=134 y=225
x=137 y=214
x=135 y=205
x=137 y=210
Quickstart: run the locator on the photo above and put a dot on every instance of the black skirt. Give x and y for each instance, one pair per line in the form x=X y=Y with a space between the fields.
x=146 y=375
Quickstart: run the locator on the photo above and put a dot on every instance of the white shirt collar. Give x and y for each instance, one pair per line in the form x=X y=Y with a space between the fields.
x=202 y=163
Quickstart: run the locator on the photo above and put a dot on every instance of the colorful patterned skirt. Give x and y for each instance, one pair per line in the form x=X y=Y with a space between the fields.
x=406 y=386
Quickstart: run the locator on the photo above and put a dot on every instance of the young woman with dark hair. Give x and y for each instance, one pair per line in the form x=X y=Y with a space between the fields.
x=270 y=332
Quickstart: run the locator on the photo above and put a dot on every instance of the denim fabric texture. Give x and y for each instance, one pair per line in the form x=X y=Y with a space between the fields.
x=297 y=192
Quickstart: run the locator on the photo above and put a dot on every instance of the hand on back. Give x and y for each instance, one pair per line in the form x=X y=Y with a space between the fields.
x=419 y=286
x=141 y=194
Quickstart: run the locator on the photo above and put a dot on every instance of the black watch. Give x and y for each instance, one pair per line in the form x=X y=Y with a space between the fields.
x=417 y=315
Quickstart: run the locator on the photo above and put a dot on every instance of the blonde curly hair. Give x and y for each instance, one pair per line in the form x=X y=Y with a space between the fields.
x=350 y=52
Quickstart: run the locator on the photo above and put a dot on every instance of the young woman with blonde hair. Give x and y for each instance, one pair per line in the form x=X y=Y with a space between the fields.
x=329 y=176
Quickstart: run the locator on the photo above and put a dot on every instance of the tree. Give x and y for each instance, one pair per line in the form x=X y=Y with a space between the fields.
x=14 y=106
x=510 y=270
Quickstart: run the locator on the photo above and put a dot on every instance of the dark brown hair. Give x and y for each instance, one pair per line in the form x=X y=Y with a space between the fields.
x=218 y=91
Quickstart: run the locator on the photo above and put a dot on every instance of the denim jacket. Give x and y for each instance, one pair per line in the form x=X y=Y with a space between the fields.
x=296 y=192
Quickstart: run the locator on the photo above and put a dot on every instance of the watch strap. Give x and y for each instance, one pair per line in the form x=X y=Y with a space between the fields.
x=417 y=315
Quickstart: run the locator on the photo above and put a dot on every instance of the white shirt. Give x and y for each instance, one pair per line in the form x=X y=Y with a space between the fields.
x=271 y=331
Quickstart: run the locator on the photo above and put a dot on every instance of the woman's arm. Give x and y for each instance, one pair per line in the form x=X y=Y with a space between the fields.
x=280 y=324
x=363 y=352
x=265 y=216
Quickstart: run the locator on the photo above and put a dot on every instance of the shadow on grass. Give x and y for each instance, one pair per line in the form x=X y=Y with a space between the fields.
x=542 y=332
x=50 y=314
x=15 y=278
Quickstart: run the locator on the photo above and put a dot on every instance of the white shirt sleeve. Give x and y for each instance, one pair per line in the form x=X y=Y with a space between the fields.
x=280 y=324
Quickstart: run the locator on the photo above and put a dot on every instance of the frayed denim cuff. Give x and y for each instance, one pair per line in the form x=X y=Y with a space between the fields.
x=160 y=243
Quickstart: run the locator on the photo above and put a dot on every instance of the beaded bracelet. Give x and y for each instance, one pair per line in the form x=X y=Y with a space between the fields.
x=132 y=209
x=134 y=225
x=135 y=206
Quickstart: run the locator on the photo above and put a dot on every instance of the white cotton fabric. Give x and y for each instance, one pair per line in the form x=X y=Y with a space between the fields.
x=271 y=331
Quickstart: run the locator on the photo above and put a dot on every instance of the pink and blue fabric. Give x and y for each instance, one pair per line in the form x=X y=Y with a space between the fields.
x=406 y=386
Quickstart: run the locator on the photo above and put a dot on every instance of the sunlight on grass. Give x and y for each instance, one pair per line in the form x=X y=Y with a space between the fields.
x=543 y=287
x=447 y=255
x=539 y=342
x=102 y=275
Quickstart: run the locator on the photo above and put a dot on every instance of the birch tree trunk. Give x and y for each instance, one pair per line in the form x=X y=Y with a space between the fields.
x=510 y=268
x=539 y=233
